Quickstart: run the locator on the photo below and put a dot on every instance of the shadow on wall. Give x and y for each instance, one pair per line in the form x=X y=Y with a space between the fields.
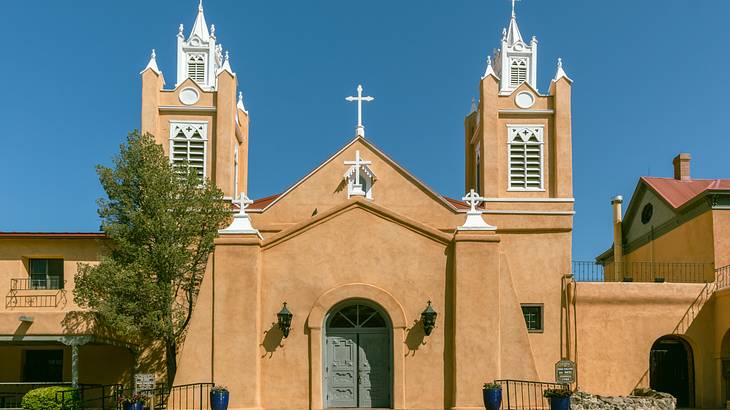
x=415 y=337
x=272 y=340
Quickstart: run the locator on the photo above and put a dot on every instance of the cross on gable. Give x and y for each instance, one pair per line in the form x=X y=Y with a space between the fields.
x=243 y=202
x=360 y=129
x=473 y=200
x=357 y=166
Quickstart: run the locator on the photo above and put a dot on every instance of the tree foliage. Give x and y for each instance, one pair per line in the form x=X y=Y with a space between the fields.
x=160 y=221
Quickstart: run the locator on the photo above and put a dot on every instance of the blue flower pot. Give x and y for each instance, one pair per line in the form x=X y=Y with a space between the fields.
x=560 y=403
x=492 y=398
x=134 y=406
x=219 y=400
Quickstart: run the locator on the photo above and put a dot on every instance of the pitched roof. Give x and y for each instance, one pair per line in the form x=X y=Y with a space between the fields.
x=678 y=193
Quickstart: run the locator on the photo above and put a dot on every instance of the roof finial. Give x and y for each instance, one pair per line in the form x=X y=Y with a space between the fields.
x=560 y=62
x=513 y=8
x=153 y=56
x=473 y=105
x=240 y=102
x=200 y=5
x=180 y=30
x=212 y=30
x=490 y=70
x=560 y=73
x=226 y=55
x=152 y=64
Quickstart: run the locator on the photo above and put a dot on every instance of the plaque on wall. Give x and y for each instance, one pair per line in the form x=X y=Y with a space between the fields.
x=144 y=381
x=565 y=371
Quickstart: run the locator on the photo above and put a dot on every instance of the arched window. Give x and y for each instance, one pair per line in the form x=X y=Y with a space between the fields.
x=196 y=68
x=518 y=71
x=526 y=158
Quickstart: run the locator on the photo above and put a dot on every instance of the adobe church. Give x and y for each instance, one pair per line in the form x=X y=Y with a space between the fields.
x=361 y=287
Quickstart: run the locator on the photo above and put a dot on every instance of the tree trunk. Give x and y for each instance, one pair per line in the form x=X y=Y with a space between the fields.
x=171 y=361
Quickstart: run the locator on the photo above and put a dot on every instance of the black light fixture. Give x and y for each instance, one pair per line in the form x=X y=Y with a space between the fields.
x=428 y=318
x=284 y=322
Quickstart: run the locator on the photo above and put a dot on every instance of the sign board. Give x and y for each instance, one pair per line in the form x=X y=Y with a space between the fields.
x=565 y=372
x=144 y=381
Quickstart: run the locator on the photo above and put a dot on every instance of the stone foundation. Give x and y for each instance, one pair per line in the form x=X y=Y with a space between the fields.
x=640 y=400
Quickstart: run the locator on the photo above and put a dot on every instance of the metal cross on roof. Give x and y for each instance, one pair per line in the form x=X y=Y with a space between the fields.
x=360 y=129
x=513 y=7
x=473 y=200
x=243 y=202
x=357 y=163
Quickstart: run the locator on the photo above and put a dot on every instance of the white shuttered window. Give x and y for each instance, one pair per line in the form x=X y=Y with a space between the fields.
x=188 y=145
x=526 y=158
x=196 y=68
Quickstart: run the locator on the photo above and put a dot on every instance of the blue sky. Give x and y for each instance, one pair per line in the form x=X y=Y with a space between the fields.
x=650 y=81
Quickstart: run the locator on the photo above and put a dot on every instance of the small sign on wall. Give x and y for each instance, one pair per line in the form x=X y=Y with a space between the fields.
x=144 y=381
x=565 y=371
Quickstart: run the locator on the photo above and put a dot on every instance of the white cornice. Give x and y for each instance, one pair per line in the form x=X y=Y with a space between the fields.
x=526 y=112
x=546 y=200
x=186 y=108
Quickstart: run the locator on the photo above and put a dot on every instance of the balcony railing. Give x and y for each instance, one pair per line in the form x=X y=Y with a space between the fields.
x=677 y=272
x=526 y=395
x=722 y=279
x=35 y=293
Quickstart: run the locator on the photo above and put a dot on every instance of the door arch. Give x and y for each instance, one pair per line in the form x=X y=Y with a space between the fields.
x=671 y=369
x=358 y=356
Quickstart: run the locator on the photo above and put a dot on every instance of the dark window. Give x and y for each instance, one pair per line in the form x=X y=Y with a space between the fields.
x=533 y=317
x=43 y=366
x=647 y=213
x=46 y=273
x=357 y=316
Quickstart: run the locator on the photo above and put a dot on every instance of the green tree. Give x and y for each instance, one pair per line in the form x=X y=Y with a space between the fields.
x=160 y=221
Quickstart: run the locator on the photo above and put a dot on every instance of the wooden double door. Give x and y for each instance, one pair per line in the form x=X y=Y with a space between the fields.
x=357 y=359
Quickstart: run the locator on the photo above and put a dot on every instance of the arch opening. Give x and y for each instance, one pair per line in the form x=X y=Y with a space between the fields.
x=358 y=356
x=671 y=369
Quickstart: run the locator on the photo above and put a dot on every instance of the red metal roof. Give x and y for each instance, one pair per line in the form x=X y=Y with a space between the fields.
x=678 y=192
x=456 y=203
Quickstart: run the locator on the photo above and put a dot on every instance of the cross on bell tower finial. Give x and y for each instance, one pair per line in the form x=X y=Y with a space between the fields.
x=513 y=8
x=360 y=129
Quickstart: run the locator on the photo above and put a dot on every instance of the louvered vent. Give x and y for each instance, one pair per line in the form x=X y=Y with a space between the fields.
x=518 y=72
x=525 y=159
x=196 y=69
x=190 y=150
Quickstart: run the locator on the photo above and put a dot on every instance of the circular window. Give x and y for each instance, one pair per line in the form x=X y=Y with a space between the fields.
x=189 y=96
x=525 y=100
x=646 y=213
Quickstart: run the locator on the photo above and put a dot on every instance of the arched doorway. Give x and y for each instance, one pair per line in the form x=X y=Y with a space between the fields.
x=671 y=369
x=357 y=357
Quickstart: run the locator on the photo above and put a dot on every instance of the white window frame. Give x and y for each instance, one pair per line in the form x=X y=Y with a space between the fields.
x=513 y=131
x=204 y=59
x=518 y=63
x=201 y=127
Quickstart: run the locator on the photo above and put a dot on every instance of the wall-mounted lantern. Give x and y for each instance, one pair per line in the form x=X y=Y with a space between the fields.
x=284 y=322
x=428 y=318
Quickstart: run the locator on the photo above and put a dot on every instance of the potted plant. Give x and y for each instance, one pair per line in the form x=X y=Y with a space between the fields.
x=219 y=398
x=492 y=393
x=559 y=398
x=131 y=402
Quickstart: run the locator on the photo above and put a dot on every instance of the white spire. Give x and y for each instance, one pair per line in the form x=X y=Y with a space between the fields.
x=490 y=70
x=240 y=102
x=560 y=73
x=473 y=105
x=152 y=64
x=226 y=66
x=200 y=28
x=513 y=32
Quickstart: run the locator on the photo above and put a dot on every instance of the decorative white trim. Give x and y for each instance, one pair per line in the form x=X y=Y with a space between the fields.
x=359 y=170
x=514 y=133
x=561 y=73
x=525 y=99
x=558 y=200
x=521 y=212
x=241 y=221
x=489 y=71
x=528 y=112
x=152 y=64
x=164 y=108
x=189 y=96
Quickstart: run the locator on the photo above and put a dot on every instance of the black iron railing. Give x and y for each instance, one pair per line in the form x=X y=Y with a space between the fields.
x=526 y=395
x=677 y=272
x=99 y=397
x=11 y=394
x=722 y=277
x=52 y=283
x=194 y=396
x=35 y=301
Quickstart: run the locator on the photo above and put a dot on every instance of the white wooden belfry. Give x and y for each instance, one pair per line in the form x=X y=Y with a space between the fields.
x=353 y=173
x=474 y=220
x=360 y=129
x=241 y=221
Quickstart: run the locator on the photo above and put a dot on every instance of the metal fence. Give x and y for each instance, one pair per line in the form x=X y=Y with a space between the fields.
x=526 y=395
x=677 y=272
x=194 y=396
x=11 y=394
x=722 y=277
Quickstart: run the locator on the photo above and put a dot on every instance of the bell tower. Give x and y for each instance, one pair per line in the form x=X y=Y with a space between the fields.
x=201 y=123
x=518 y=142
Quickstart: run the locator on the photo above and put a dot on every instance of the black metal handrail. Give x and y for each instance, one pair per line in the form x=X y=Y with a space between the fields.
x=92 y=396
x=722 y=278
x=525 y=394
x=677 y=272
x=193 y=396
x=11 y=393
x=37 y=284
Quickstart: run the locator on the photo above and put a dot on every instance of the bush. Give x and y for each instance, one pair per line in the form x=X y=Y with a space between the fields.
x=45 y=399
x=560 y=393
